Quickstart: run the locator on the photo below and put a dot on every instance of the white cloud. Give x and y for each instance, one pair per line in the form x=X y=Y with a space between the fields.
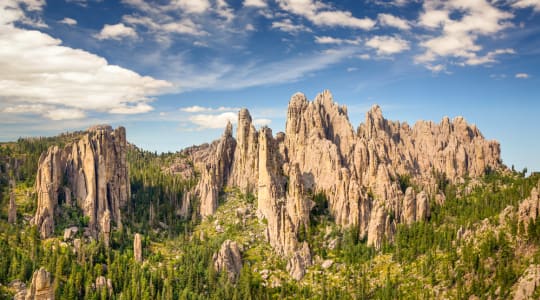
x=210 y=121
x=332 y=40
x=322 y=14
x=255 y=3
x=194 y=109
x=488 y=58
x=535 y=4
x=71 y=81
x=224 y=10
x=352 y=69
x=197 y=109
x=220 y=74
x=166 y=20
x=522 y=75
x=23 y=11
x=393 y=21
x=364 y=56
x=192 y=6
x=64 y=114
x=68 y=21
x=457 y=37
x=219 y=121
x=288 y=26
x=387 y=45
x=116 y=32
x=183 y=26
x=262 y=122
x=436 y=68
x=47 y=111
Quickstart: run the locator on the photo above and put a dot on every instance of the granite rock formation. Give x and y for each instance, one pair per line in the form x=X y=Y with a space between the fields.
x=527 y=284
x=367 y=174
x=244 y=170
x=529 y=208
x=229 y=259
x=215 y=172
x=41 y=287
x=12 y=210
x=93 y=172
x=137 y=247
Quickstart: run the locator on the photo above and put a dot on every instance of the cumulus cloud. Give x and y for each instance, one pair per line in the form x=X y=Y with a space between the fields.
x=255 y=3
x=216 y=118
x=165 y=20
x=68 y=21
x=212 y=121
x=457 y=37
x=387 y=45
x=72 y=81
x=116 y=32
x=522 y=75
x=287 y=25
x=322 y=14
x=535 y=4
x=393 y=21
x=337 y=41
x=192 y=6
x=488 y=58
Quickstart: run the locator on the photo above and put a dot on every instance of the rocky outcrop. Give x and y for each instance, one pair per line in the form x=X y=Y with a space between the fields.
x=244 y=171
x=529 y=208
x=12 y=210
x=359 y=171
x=95 y=172
x=41 y=287
x=104 y=283
x=415 y=206
x=137 y=248
x=528 y=283
x=215 y=172
x=362 y=173
x=284 y=210
x=229 y=259
x=299 y=262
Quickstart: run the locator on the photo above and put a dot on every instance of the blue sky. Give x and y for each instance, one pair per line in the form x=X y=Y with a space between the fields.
x=174 y=71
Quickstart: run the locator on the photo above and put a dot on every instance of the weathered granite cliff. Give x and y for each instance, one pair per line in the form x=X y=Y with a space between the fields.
x=215 y=172
x=93 y=172
x=361 y=172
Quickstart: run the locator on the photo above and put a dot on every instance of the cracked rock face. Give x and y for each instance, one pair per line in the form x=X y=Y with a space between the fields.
x=91 y=172
x=229 y=259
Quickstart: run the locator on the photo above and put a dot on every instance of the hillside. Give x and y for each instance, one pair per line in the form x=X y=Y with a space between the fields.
x=323 y=210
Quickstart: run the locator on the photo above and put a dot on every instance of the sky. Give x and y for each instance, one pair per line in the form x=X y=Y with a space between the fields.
x=173 y=72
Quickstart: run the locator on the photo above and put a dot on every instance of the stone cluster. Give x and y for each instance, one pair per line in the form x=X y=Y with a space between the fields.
x=91 y=173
